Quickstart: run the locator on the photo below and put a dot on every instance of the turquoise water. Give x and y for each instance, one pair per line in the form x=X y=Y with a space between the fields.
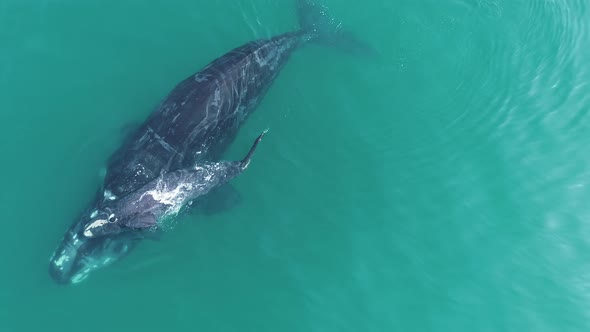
x=440 y=187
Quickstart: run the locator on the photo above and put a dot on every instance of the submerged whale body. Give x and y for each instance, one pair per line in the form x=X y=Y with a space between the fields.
x=172 y=158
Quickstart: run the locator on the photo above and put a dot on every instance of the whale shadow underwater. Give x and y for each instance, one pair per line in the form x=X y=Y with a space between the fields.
x=172 y=159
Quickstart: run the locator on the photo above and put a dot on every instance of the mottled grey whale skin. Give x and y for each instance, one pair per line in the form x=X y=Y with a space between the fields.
x=202 y=115
x=194 y=124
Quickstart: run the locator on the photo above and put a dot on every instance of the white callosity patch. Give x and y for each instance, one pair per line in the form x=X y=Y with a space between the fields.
x=96 y=224
x=76 y=240
x=62 y=259
x=109 y=195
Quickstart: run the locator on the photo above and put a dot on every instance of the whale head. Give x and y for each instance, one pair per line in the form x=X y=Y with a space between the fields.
x=133 y=213
x=103 y=222
x=77 y=255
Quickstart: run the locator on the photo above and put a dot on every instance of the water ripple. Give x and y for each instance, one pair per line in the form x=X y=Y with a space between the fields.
x=537 y=60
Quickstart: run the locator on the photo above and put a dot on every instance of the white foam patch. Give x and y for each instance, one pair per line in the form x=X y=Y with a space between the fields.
x=175 y=198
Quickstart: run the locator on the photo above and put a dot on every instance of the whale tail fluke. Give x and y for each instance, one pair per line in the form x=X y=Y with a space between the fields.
x=324 y=29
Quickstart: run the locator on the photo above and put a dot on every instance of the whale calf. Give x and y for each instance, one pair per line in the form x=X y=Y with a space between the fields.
x=164 y=197
x=172 y=158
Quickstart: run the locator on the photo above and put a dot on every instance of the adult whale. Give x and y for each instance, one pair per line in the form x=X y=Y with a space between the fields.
x=166 y=156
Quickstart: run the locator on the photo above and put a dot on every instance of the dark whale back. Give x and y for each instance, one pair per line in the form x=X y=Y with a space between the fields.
x=201 y=115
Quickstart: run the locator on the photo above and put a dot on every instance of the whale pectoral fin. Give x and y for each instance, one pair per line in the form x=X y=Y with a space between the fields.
x=217 y=201
x=143 y=221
